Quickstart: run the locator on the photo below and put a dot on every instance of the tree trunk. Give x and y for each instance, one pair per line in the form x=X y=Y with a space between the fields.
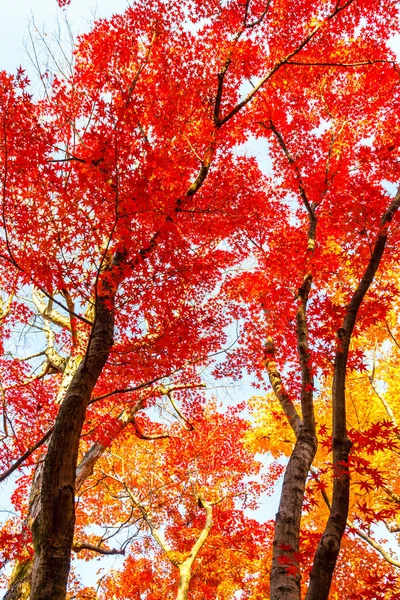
x=328 y=548
x=285 y=574
x=53 y=527
x=184 y=581
x=20 y=585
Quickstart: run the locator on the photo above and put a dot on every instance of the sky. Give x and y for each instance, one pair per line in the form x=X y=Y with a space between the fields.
x=17 y=15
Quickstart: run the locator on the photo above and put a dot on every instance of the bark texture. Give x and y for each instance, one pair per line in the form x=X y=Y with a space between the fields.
x=20 y=585
x=53 y=527
x=285 y=573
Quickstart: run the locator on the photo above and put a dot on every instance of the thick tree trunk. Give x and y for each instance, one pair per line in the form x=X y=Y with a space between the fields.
x=20 y=583
x=53 y=527
x=285 y=574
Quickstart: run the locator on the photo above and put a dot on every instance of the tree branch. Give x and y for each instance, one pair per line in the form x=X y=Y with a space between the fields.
x=280 y=64
x=26 y=455
x=279 y=389
x=78 y=546
x=361 y=533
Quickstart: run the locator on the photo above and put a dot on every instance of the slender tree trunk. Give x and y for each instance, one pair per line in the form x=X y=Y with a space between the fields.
x=285 y=573
x=185 y=568
x=329 y=546
x=328 y=549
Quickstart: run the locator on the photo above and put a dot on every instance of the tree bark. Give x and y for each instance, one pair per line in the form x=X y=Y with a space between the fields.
x=20 y=585
x=285 y=573
x=53 y=527
x=185 y=568
x=184 y=581
x=328 y=549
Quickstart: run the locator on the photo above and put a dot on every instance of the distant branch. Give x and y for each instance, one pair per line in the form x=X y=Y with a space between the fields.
x=391 y=334
x=78 y=546
x=135 y=388
x=292 y=161
x=362 y=534
x=178 y=412
x=345 y=65
x=26 y=455
x=386 y=405
x=140 y=434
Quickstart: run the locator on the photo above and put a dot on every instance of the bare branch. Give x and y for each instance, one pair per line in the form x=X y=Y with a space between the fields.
x=378 y=547
x=52 y=315
x=309 y=207
x=143 y=436
x=135 y=388
x=386 y=405
x=189 y=425
x=344 y=65
x=78 y=546
x=26 y=455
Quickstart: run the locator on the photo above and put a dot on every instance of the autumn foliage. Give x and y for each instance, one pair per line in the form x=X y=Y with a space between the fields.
x=208 y=196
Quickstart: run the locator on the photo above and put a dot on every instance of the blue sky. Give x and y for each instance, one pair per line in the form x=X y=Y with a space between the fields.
x=17 y=15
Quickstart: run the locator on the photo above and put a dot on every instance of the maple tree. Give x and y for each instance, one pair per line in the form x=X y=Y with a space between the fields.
x=137 y=228
x=188 y=493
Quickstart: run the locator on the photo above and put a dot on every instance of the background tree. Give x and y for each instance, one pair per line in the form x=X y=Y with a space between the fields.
x=189 y=493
